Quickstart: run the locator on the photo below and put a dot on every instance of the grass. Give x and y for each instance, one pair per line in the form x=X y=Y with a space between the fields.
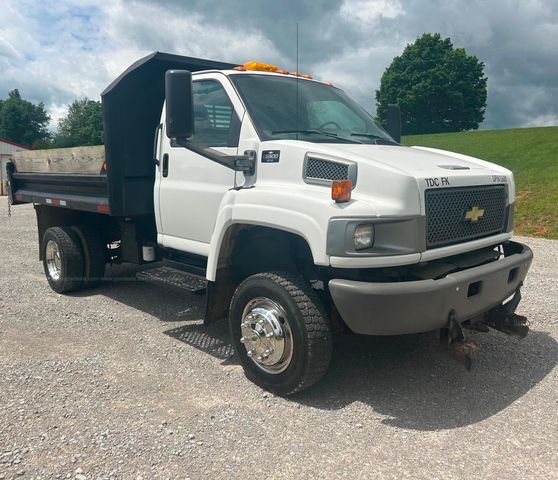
x=530 y=153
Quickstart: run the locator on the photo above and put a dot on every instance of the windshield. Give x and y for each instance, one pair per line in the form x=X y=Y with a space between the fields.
x=325 y=113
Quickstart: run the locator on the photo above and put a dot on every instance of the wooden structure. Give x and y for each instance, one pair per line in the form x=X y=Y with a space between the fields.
x=7 y=149
x=77 y=160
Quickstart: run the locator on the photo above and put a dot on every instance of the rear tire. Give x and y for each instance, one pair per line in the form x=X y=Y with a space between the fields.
x=62 y=259
x=280 y=332
x=95 y=255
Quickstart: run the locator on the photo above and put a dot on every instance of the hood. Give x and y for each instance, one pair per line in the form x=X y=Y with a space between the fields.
x=410 y=160
x=392 y=179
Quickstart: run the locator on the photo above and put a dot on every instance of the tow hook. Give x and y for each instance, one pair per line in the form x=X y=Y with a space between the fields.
x=452 y=336
x=504 y=318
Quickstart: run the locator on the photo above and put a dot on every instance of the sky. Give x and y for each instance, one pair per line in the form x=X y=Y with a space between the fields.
x=57 y=51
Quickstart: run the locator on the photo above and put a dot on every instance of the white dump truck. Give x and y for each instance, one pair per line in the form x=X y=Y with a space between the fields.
x=280 y=199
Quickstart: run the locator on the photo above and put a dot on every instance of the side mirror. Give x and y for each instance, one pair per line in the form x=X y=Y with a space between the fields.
x=179 y=105
x=393 y=126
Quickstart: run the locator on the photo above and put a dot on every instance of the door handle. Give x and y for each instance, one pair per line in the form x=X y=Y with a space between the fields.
x=165 y=169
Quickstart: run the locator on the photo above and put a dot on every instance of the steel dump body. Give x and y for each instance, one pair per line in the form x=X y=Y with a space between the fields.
x=67 y=177
x=75 y=177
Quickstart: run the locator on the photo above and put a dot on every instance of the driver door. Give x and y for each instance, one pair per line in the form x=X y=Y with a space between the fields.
x=191 y=186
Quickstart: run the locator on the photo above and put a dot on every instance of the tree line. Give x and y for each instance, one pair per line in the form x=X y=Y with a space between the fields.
x=24 y=122
x=439 y=88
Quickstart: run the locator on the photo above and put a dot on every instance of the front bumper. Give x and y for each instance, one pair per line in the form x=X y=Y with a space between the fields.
x=424 y=305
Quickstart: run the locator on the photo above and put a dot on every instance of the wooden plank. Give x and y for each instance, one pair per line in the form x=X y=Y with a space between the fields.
x=83 y=160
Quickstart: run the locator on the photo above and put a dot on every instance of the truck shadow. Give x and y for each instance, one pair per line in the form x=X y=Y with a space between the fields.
x=121 y=285
x=409 y=380
x=415 y=384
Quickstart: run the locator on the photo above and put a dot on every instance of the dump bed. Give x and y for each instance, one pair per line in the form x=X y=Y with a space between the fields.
x=68 y=177
x=73 y=178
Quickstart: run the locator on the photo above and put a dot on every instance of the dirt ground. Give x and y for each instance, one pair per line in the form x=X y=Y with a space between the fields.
x=124 y=381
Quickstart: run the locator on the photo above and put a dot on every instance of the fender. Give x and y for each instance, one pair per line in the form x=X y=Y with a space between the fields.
x=292 y=211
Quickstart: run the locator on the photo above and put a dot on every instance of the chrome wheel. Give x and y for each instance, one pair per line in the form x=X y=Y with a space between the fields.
x=53 y=260
x=266 y=335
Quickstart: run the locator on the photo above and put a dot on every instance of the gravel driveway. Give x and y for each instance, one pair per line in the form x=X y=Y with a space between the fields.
x=124 y=381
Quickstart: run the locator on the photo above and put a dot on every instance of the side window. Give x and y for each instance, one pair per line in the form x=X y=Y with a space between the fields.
x=330 y=114
x=215 y=122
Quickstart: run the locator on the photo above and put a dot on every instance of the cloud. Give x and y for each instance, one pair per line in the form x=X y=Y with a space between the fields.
x=68 y=49
x=369 y=11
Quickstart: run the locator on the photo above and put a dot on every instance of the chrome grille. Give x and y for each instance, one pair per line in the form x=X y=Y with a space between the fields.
x=446 y=210
x=319 y=169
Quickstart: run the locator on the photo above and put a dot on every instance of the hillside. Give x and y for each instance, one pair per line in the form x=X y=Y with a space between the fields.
x=532 y=155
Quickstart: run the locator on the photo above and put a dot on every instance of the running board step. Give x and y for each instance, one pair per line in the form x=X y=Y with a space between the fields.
x=171 y=277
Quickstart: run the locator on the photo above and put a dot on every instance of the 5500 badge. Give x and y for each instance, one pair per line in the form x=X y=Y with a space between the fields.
x=270 y=156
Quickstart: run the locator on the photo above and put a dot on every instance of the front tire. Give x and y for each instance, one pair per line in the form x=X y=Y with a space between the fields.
x=280 y=332
x=62 y=259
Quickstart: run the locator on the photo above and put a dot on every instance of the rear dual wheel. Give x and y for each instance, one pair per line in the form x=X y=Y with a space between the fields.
x=280 y=332
x=62 y=259
x=73 y=257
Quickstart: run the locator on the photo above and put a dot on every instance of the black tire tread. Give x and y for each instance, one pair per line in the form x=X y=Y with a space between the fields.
x=94 y=255
x=72 y=258
x=316 y=325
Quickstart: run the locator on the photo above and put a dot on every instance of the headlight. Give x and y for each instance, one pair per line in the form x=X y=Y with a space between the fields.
x=363 y=236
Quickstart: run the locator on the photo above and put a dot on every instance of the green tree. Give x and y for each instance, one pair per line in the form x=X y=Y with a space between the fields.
x=438 y=88
x=83 y=125
x=22 y=121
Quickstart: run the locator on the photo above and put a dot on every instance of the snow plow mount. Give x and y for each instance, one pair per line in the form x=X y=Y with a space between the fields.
x=502 y=318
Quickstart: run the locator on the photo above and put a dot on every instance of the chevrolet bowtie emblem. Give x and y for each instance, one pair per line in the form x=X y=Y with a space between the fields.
x=474 y=214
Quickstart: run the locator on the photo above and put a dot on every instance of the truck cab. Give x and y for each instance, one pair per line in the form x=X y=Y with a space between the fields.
x=299 y=217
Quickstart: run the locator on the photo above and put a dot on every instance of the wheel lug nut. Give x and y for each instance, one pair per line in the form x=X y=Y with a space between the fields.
x=242 y=339
x=269 y=335
x=260 y=358
x=254 y=338
x=250 y=353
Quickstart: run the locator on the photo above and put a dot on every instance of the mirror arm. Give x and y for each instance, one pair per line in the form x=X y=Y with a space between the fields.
x=156 y=143
x=239 y=163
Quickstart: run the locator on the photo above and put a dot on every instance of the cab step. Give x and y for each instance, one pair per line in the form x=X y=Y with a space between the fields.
x=177 y=279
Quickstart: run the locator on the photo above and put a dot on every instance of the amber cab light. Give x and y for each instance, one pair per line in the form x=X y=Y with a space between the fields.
x=262 y=67
x=341 y=190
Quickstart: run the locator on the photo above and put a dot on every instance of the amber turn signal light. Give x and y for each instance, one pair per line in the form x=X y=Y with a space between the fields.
x=341 y=190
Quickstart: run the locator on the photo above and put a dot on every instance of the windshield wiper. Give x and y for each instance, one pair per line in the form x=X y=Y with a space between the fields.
x=374 y=137
x=316 y=132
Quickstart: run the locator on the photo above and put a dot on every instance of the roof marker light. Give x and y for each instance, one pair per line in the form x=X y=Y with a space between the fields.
x=263 y=67
x=268 y=67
